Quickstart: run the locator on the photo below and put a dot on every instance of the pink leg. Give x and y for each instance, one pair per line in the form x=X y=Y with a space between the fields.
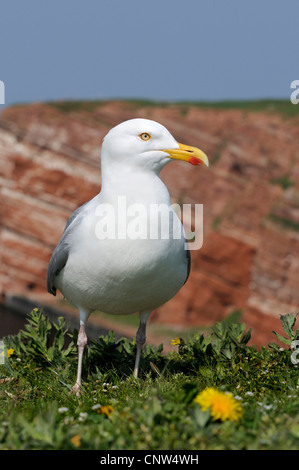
x=82 y=341
x=140 y=339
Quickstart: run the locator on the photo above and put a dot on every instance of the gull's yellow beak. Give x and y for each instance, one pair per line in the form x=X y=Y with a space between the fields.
x=191 y=155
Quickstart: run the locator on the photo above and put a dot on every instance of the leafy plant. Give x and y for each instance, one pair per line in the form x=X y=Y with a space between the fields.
x=288 y=323
x=226 y=339
x=42 y=340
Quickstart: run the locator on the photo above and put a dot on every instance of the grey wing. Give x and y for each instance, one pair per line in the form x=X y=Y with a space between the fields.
x=74 y=215
x=61 y=252
x=188 y=256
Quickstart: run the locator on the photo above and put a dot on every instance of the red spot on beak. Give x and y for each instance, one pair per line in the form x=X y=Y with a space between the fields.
x=195 y=161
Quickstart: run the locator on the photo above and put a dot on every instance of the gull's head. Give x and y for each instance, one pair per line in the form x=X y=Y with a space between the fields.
x=143 y=143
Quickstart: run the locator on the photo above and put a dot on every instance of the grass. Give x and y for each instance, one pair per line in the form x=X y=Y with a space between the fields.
x=157 y=411
x=284 y=107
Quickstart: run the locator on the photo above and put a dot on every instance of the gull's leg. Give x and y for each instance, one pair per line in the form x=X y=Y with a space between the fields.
x=140 y=339
x=81 y=343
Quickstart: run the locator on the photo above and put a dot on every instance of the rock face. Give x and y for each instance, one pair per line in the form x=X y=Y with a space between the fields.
x=50 y=164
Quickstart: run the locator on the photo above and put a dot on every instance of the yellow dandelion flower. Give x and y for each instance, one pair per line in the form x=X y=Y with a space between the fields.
x=106 y=410
x=76 y=440
x=10 y=352
x=175 y=341
x=222 y=405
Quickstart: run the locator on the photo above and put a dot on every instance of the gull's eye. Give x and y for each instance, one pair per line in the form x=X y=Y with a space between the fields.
x=145 y=136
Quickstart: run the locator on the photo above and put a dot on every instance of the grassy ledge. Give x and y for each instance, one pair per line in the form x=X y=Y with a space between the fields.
x=283 y=107
x=160 y=410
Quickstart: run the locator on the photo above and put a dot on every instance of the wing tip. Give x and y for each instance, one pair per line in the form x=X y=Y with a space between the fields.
x=51 y=289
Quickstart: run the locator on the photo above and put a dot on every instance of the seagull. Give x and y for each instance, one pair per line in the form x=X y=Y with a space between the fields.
x=105 y=259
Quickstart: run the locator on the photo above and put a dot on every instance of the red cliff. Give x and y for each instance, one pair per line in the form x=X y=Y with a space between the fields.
x=50 y=164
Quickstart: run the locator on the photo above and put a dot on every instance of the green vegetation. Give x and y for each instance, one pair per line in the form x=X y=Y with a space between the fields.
x=284 y=181
x=90 y=105
x=284 y=107
x=76 y=105
x=283 y=222
x=216 y=223
x=157 y=411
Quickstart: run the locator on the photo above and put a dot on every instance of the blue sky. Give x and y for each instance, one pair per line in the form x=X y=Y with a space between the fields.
x=155 y=49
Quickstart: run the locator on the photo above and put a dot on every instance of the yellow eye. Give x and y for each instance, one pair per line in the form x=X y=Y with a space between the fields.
x=145 y=136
